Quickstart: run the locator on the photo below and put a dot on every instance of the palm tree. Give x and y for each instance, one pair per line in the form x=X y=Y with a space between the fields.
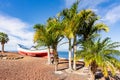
x=3 y=39
x=68 y=33
x=79 y=23
x=100 y=54
x=86 y=28
x=69 y=21
x=55 y=28
x=43 y=38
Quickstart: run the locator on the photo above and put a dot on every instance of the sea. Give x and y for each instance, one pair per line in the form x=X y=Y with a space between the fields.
x=63 y=54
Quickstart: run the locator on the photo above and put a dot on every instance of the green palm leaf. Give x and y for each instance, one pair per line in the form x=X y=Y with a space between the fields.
x=102 y=54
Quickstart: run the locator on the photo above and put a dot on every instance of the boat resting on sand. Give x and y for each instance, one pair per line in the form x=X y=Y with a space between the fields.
x=28 y=52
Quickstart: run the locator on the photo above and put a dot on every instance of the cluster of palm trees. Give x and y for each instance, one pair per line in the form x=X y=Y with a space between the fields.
x=81 y=30
x=3 y=39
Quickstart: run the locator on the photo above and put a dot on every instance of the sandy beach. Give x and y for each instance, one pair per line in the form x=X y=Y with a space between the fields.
x=34 y=68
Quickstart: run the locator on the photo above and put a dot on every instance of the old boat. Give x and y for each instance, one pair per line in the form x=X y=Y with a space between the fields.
x=32 y=52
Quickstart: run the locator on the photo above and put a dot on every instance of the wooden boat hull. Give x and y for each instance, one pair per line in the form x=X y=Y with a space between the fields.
x=33 y=53
x=44 y=54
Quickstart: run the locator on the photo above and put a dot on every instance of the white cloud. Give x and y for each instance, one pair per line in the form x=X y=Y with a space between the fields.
x=85 y=3
x=63 y=45
x=68 y=3
x=90 y=3
x=113 y=15
x=17 y=31
x=110 y=13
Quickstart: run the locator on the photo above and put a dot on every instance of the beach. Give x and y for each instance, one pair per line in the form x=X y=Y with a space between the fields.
x=35 y=68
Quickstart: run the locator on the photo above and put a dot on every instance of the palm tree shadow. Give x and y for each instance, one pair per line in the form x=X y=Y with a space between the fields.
x=79 y=65
x=62 y=69
x=63 y=64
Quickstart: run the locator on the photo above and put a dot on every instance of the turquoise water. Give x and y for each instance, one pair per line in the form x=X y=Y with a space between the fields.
x=63 y=54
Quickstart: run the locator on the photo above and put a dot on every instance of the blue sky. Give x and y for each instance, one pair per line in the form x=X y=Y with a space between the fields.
x=17 y=17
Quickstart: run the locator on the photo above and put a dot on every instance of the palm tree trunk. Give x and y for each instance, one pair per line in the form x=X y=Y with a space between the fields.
x=49 y=60
x=55 y=57
x=70 y=55
x=74 y=51
x=93 y=69
x=2 y=48
x=93 y=76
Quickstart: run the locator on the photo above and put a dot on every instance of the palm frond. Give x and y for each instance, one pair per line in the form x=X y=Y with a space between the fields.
x=102 y=53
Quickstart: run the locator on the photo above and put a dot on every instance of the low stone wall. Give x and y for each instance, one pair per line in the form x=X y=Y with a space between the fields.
x=10 y=57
